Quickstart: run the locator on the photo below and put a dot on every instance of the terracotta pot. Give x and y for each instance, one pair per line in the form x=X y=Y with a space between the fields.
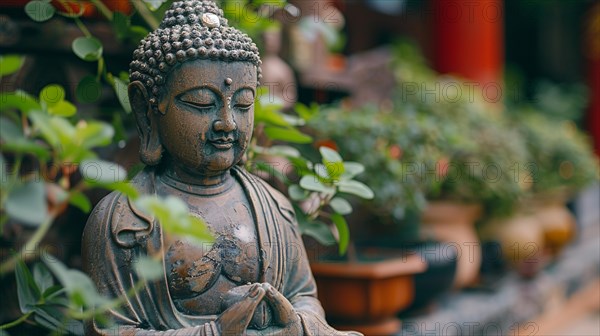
x=367 y=296
x=536 y=233
x=557 y=224
x=522 y=241
x=454 y=223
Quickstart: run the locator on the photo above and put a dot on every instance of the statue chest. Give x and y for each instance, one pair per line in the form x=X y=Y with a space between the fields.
x=199 y=276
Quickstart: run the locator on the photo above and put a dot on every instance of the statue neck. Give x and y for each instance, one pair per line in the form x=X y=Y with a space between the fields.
x=208 y=182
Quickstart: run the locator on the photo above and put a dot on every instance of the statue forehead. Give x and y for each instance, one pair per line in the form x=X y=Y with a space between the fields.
x=193 y=73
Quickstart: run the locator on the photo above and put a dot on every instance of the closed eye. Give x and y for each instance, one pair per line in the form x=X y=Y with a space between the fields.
x=201 y=106
x=202 y=98
x=243 y=107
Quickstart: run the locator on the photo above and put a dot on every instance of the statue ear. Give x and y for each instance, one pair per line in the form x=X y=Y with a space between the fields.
x=147 y=123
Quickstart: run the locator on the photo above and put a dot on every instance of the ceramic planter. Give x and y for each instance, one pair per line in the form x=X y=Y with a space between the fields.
x=557 y=223
x=367 y=296
x=522 y=241
x=454 y=223
x=536 y=234
x=439 y=277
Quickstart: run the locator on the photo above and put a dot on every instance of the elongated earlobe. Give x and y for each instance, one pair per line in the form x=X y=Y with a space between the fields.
x=151 y=148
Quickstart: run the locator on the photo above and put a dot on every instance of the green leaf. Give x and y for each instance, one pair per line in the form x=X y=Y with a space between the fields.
x=120 y=23
x=148 y=269
x=48 y=317
x=293 y=121
x=123 y=187
x=334 y=170
x=356 y=188
x=41 y=122
x=352 y=169
x=27 y=291
x=20 y=100
x=52 y=94
x=3 y=177
x=154 y=4
x=77 y=284
x=296 y=193
x=306 y=112
x=43 y=278
x=174 y=217
x=102 y=172
x=93 y=134
x=52 y=291
x=121 y=91
x=88 y=90
x=39 y=11
x=63 y=109
x=341 y=206
x=81 y=201
x=63 y=129
x=344 y=233
x=269 y=115
x=27 y=203
x=301 y=165
x=333 y=162
x=25 y=146
x=285 y=151
x=321 y=171
x=329 y=155
x=287 y=134
x=318 y=230
x=312 y=183
x=10 y=64
x=9 y=131
x=87 y=48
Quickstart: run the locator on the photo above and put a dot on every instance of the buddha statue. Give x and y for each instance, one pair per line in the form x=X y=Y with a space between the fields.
x=193 y=85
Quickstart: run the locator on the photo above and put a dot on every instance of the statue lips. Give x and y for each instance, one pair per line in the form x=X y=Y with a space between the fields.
x=223 y=143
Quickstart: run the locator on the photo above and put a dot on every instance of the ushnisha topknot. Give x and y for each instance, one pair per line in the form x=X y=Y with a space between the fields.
x=191 y=29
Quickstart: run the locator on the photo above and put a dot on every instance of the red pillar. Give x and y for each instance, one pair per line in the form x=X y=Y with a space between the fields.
x=592 y=53
x=469 y=39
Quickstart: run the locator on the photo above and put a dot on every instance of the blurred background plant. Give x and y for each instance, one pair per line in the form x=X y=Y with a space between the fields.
x=428 y=146
x=563 y=160
x=483 y=158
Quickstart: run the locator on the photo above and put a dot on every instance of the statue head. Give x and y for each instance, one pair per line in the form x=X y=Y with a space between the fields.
x=193 y=83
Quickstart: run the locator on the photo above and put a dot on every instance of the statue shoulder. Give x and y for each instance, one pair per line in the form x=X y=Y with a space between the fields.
x=115 y=217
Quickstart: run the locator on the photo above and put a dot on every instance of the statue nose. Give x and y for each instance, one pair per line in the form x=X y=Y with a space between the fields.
x=225 y=122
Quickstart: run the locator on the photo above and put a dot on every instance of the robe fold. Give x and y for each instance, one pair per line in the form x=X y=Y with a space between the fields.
x=117 y=234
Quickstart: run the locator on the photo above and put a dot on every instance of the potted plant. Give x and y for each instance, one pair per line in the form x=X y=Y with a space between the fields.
x=382 y=142
x=562 y=162
x=317 y=191
x=478 y=173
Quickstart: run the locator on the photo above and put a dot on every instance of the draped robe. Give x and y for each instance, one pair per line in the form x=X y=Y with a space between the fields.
x=117 y=234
